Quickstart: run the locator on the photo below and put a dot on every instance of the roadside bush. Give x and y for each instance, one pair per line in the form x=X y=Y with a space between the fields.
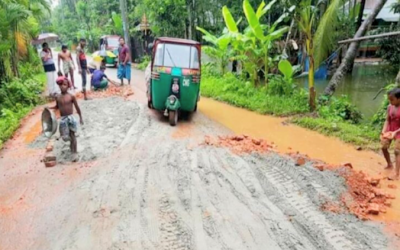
x=340 y=109
x=389 y=50
x=278 y=85
x=243 y=94
x=144 y=62
x=380 y=116
x=17 y=98
x=10 y=120
x=25 y=93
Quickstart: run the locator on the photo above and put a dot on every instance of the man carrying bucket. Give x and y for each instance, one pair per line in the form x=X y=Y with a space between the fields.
x=124 y=62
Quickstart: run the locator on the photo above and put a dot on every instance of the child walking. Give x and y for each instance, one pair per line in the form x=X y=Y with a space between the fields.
x=68 y=124
x=390 y=131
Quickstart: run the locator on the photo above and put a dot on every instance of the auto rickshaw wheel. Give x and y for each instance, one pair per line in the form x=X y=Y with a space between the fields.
x=173 y=117
x=195 y=108
x=149 y=104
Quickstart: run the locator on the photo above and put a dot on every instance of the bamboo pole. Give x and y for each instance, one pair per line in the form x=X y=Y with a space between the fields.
x=396 y=33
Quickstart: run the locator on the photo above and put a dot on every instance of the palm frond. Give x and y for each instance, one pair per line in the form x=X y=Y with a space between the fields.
x=43 y=3
x=396 y=7
x=324 y=36
x=21 y=44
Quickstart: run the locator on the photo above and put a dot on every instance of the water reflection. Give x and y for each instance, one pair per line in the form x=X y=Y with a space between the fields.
x=361 y=87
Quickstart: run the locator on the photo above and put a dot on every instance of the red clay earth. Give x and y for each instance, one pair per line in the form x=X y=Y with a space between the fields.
x=363 y=197
x=240 y=144
x=112 y=90
x=367 y=198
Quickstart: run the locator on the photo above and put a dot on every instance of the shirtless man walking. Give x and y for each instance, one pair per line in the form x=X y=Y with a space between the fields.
x=68 y=63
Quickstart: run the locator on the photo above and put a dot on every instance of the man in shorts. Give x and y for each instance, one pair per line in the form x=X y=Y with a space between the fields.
x=82 y=64
x=68 y=63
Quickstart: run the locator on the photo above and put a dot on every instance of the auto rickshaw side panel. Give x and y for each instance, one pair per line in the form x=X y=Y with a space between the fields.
x=160 y=90
x=189 y=89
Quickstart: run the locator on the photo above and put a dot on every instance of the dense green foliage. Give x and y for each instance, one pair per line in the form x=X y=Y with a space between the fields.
x=263 y=100
x=389 y=49
x=379 y=118
x=253 y=46
x=179 y=18
x=17 y=98
x=340 y=110
x=90 y=19
x=19 y=61
x=144 y=62
x=19 y=23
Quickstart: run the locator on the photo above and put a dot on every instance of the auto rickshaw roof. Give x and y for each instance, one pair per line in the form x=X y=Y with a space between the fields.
x=107 y=36
x=177 y=40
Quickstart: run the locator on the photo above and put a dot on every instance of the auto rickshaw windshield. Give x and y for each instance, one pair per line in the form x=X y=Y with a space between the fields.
x=112 y=42
x=176 y=55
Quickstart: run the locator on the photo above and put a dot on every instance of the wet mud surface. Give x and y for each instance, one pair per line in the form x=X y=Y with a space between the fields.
x=107 y=122
x=142 y=184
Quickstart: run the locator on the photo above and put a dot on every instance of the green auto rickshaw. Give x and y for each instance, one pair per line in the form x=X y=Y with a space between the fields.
x=174 y=85
x=110 y=43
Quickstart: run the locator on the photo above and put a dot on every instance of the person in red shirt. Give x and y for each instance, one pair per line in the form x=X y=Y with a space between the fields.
x=391 y=129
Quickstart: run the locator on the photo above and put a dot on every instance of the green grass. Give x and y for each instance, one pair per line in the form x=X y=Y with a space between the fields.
x=10 y=122
x=362 y=135
x=231 y=90
x=19 y=98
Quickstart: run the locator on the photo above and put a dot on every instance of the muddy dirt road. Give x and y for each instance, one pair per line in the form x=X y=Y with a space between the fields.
x=141 y=184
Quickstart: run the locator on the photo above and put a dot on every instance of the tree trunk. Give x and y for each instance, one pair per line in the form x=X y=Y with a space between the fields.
x=359 y=21
x=311 y=84
x=352 y=50
x=189 y=10
x=310 y=52
x=398 y=79
x=360 y=14
x=288 y=37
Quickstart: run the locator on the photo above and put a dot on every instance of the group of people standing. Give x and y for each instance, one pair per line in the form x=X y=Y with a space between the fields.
x=98 y=80
x=65 y=100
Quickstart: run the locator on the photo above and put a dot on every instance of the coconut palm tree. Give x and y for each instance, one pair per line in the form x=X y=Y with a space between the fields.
x=18 y=25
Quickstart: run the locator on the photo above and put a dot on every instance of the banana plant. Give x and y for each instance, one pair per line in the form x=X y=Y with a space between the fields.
x=252 y=46
x=318 y=40
x=262 y=37
x=220 y=49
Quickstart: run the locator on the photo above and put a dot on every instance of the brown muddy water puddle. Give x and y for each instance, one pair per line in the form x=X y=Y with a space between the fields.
x=290 y=138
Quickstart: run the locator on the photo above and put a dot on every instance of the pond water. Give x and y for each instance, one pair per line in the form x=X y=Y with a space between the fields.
x=360 y=87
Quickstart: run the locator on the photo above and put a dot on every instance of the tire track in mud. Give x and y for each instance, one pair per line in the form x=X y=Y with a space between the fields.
x=157 y=192
x=259 y=212
x=292 y=188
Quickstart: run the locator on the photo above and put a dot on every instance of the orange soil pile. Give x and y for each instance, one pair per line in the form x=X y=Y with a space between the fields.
x=240 y=144
x=363 y=196
x=367 y=198
x=112 y=90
